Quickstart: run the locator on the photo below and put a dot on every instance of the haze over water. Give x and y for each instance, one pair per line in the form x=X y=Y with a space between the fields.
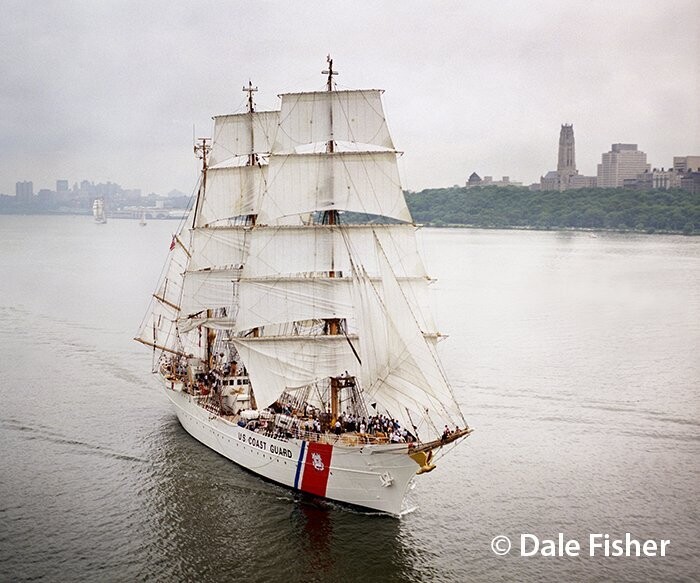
x=574 y=356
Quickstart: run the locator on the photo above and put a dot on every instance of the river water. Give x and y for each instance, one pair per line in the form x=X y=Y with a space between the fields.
x=575 y=357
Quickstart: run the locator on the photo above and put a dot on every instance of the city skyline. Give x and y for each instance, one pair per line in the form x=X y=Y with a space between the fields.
x=74 y=185
x=113 y=93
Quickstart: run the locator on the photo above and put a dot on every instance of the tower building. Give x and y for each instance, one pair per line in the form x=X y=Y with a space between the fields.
x=566 y=166
x=566 y=175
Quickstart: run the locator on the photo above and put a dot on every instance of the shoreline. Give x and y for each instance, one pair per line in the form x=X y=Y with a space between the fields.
x=430 y=225
x=565 y=229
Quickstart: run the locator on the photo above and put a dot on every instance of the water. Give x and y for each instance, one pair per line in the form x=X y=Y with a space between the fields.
x=574 y=356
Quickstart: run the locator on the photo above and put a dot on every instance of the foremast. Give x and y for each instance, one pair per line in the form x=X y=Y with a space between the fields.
x=196 y=298
x=202 y=150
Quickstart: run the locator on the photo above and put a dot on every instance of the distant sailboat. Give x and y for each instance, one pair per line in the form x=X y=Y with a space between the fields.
x=288 y=339
x=98 y=211
x=142 y=222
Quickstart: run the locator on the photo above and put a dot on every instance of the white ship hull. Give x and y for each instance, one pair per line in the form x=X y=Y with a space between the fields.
x=376 y=477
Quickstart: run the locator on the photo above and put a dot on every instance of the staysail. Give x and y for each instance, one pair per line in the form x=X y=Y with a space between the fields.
x=160 y=329
x=401 y=369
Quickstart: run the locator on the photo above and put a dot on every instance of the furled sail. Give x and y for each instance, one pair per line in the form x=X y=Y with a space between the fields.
x=241 y=134
x=355 y=117
x=363 y=182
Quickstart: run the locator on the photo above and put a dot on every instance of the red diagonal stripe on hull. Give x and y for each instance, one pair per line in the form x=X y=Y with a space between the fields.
x=316 y=468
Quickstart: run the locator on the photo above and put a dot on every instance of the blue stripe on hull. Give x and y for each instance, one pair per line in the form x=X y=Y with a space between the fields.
x=301 y=459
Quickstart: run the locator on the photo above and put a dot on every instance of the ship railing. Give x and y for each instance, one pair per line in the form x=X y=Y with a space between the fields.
x=346 y=439
x=284 y=433
x=170 y=368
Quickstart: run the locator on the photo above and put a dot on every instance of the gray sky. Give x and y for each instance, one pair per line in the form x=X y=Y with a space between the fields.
x=107 y=90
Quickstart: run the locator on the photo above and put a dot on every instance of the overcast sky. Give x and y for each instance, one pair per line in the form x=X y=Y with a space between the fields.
x=106 y=90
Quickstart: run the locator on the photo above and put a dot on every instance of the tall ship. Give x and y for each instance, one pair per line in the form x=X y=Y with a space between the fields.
x=98 y=211
x=291 y=329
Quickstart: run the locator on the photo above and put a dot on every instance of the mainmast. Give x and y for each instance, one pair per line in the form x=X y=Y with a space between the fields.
x=252 y=157
x=330 y=146
x=330 y=217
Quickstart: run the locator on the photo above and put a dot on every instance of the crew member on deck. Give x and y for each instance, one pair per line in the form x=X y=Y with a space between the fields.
x=446 y=433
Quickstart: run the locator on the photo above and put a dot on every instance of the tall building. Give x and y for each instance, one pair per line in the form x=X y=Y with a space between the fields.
x=24 y=191
x=566 y=166
x=623 y=161
x=685 y=164
x=61 y=186
x=566 y=175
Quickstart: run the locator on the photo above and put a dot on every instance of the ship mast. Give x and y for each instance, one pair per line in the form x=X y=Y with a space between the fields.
x=330 y=147
x=330 y=217
x=252 y=157
x=202 y=150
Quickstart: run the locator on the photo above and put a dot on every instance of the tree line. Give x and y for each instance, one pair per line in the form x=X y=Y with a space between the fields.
x=672 y=210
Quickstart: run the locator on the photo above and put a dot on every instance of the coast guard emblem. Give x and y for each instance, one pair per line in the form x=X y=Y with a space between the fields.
x=317 y=461
x=316 y=468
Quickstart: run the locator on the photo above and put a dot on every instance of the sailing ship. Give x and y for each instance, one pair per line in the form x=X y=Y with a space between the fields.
x=142 y=222
x=98 y=211
x=291 y=329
